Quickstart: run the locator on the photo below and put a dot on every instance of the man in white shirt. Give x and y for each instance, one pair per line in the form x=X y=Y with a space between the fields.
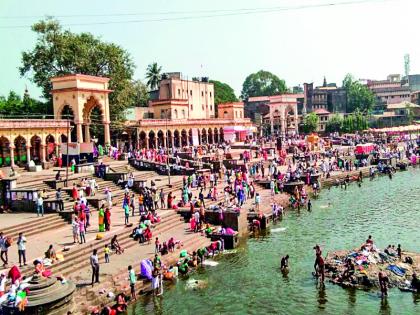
x=40 y=206
x=21 y=243
x=94 y=262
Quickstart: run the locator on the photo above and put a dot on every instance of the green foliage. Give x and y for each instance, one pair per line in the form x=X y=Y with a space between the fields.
x=310 y=122
x=141 y=95
x=358 y=95
x=223 y=93
x=410 y=113
x=354 y=122
x=262 y=83
x=15 y=106
x=334 y=124
x=153 y=75
x=59 y=52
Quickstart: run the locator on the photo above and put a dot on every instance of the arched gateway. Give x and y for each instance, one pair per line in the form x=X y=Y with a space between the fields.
x=83 y=95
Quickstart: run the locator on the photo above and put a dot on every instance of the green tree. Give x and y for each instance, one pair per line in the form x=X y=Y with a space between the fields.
x=59 y=52
x=262 y=83
x=15 y=106
x=141 y=95
x=153 y=75
x=334 y=124
x=310 y=122
x=410 y=113
x=358 y=95
x=223 y=93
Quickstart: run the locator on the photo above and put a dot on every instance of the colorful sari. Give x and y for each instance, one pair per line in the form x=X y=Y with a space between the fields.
x=101 y=220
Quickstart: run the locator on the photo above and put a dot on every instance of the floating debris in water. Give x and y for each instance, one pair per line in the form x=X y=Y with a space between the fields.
x=193 y=284
x=282 y=229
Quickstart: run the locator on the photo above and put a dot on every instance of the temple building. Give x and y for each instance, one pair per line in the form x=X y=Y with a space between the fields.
x=275 y=114
x=75 y=97
x=182 y=113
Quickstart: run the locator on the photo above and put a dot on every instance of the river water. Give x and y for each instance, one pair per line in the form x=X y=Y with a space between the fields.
x=249 y=281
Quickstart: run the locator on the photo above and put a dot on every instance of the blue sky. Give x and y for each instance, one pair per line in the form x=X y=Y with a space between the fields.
x=368 y=39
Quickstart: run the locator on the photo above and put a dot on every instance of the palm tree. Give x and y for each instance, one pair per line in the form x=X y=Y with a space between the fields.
x=153 y=75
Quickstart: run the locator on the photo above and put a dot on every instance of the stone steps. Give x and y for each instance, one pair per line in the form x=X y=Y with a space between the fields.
x=79 y=257
x=39 y=225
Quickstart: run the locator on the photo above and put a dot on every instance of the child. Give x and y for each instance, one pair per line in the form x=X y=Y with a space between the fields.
x=132 y=279
x=127 y=213
x=107 y=251
x=157 y=245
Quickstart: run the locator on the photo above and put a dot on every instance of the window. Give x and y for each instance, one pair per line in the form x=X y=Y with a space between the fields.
x=210 y=94
x=202 y=93
x=183 y=113
x=179 y=92
x=225 y=114
x=236 y=114
x=176 y=114
x=202 y=106
x=211 y=107
x=162 y=113
x=191 y=106
x=191 y=92
x=240 y=114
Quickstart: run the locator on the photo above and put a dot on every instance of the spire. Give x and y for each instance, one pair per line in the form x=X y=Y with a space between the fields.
x=26 y=94
x=325 y=82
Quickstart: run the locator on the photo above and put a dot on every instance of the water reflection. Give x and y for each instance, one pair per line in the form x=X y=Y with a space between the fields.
x=384 y=308
x=322 y=296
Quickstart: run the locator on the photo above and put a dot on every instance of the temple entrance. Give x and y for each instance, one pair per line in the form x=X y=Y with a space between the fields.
x=20 y=151
x=4 y=152
x=36 y=149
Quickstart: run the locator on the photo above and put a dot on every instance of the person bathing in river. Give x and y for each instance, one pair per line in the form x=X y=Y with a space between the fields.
x=383 y=283
x=284 y=264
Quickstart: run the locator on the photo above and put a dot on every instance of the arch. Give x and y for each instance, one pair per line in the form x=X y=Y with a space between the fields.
x=50 y=147
x=63 y=138
x=210 y=135
x=68 y=113
x=20 y=150
x=36 y=142
x=190 y=137
x=152 y=139
x=93 y=116
x=184 y=138
x=142 y=139
x=203 y=136
x=4 y=151
x=169 y=139
x=216 y=135
x=177 y=139
x=221 y=135
x=160 y=138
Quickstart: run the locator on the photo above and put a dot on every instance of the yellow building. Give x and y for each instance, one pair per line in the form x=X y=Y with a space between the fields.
x=184 y=114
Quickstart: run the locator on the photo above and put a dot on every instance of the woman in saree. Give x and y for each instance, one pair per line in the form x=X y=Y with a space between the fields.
x=107 y=220
x=101 y=219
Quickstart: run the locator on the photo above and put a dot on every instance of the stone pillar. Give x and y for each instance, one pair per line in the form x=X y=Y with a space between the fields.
x=137 y=139
x=28 y=154
x=271 y=124
x=87 y=132
x=164 y=141
x=79 y=131
x=43 y=153
x=147 y=142
x=172 y=141
x=155 y=141
x=107 y=134
x=12 y=156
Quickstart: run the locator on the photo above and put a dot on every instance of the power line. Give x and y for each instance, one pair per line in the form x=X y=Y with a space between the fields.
x=208 y=14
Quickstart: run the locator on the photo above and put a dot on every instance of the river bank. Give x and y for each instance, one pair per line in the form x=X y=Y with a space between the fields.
x=249 y=280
